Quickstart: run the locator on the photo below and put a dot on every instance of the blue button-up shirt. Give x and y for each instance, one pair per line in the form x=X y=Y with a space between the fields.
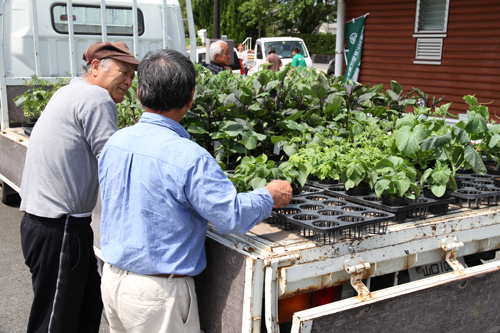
x=159 y=190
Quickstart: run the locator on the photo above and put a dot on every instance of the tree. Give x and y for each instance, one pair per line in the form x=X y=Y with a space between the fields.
x=303 y=15
x=232 y=20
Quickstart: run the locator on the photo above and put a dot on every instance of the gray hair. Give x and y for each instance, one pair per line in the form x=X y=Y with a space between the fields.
x=86 y=69
x=216 y=48
x=166 y=79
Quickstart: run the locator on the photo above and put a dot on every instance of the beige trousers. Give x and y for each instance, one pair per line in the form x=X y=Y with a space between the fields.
x=136 y=303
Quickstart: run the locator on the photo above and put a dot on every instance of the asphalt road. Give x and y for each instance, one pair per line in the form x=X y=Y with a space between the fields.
x=16 y=294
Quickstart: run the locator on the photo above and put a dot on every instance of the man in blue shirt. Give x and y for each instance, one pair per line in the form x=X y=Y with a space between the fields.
x=159 y=190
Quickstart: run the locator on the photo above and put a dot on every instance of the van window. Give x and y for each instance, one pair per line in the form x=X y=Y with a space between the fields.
x=259 y=51
x=284 y=48
x=87 y=20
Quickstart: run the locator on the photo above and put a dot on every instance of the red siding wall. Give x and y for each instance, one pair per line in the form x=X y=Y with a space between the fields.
x=470 y=62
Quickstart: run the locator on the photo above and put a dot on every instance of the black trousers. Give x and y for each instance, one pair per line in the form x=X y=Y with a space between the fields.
x=66 y=284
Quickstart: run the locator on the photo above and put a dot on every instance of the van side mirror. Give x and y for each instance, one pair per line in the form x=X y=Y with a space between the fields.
x=259 y=54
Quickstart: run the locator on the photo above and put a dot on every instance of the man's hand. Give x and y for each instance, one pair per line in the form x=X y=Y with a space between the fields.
x=228 y=68
x=281 y=191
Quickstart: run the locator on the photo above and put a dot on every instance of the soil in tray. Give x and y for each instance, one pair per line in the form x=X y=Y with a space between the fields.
x=496 y=181
x=492 y=170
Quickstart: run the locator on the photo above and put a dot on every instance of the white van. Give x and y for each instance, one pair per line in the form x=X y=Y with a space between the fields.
x=51 y=39
x=283 y=47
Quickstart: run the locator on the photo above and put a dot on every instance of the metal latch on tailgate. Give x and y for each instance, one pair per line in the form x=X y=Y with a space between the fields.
x=451 y=246
x=356 y=267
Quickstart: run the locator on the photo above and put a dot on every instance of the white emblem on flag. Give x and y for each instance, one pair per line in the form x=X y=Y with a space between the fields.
x=353 y=37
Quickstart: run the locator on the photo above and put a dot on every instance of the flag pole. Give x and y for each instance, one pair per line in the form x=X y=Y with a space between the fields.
x=354 y=19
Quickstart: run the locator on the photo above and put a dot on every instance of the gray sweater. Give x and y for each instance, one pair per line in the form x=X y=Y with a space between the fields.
x=60 y=173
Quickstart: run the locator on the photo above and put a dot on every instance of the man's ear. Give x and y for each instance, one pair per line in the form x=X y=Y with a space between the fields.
x=94 y=66
x=137 y=92
x=190 y=100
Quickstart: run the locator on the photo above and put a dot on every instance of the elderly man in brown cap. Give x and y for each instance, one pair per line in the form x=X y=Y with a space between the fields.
x=59 y=191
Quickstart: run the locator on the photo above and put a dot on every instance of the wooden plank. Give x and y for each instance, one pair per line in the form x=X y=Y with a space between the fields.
x=220 y=289
x=463 y=305
x=454 y=77
x=486 y=25
x=439 y=86
x=430 y=70
x=458 y=32
x=459 y=64
x=473 y=17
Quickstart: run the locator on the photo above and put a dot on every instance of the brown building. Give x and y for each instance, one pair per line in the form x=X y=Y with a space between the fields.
x=442 y=47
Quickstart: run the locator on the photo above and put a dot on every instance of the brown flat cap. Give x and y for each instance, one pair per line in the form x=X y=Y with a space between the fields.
x=101 y=50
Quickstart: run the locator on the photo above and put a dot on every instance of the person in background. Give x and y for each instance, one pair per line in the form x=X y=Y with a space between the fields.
x=159 y=190
x=242 y=54
x=59 y=191
x=273 y=59
x=220 y=58
x=298 y=59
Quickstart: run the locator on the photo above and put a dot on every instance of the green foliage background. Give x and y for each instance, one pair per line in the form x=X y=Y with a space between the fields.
x=318 y=43
x=232 y=20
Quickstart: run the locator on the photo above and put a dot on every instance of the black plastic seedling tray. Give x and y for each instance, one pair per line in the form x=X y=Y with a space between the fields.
x=475 y=196
x=417 y=208
x=477 y=190
x=308 y=190
x=329 y=220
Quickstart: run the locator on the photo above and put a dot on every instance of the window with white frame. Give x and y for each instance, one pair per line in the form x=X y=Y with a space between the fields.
x=431 y=26
x=87 y=20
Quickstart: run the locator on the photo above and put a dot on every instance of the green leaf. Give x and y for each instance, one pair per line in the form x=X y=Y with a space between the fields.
x=415 y=189
x=438 y=190
x=407 y=139
x=440 y=176
x=435 y=142
x=196 y=130
x=19 y=101
x=396 y=87
x=471 y=100
x=393 y=95
x=257 y=183
x=381 y=186
x=318 y=90
x=494 y=141
x=461 y=135
x=290 y=149
x=249 y=141
x=476 y=123
x=473 y=158
x=403 y=185
x=457 y=156
x=408 y=120
x=275 y=139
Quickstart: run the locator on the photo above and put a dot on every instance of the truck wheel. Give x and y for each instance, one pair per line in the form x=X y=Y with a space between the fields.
x=9 y=195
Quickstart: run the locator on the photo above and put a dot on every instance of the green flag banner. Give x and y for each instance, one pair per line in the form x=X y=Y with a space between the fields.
x=354 y=36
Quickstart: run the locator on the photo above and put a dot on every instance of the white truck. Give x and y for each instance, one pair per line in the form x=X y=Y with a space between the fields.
x=272 y=279
x=283 y=47
x=39 y=38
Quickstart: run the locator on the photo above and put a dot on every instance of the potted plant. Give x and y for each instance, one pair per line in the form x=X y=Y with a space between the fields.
x=440 y=180
x=35 y=99
x=397 y=181
x=358 y=174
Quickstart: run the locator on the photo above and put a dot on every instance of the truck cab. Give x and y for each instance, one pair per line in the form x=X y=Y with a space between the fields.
x=283 y=46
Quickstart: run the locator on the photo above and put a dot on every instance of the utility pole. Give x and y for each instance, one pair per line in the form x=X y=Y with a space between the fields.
x=216 y=19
